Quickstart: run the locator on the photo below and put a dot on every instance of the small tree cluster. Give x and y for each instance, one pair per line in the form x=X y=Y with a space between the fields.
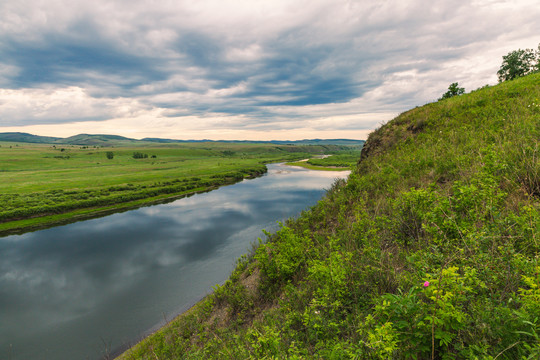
x=519 y=63
x=139 y=155
x=110 y=155
x=453 y=90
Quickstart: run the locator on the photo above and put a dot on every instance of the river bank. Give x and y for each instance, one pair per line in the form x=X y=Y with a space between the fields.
x=142 y=197
x=90 y=286
x=42 y=185
x=20 y=226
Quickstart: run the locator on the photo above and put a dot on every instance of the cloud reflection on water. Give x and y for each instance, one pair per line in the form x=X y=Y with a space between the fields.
x=114 y=277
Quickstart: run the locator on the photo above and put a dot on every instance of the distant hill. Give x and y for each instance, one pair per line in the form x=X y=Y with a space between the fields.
x=27 y=138
x=115 y=140
x=95 y=140
x=81 y=139
x=347 y=142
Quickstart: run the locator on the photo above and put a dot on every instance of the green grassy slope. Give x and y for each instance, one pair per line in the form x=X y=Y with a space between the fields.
x=428 y=251
x=27 y=138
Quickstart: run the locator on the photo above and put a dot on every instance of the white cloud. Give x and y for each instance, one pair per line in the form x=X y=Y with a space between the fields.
x=249 y=53
x=27 y=106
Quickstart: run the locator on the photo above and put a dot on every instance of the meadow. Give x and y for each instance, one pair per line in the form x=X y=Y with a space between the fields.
x=44 y=183
x=338 y=162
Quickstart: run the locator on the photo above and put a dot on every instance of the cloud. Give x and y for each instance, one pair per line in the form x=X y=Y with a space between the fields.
x=60 y=105
x=250 y=64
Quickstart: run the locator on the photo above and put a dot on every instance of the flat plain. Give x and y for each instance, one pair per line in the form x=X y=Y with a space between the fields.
x=46 y=183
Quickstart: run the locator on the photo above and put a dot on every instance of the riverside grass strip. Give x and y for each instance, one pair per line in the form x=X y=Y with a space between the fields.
x=45 y=183
x=345 y=160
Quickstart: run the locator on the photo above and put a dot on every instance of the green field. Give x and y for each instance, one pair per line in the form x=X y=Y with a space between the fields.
x=429 y=250
x=338 y=162
x=40 y=183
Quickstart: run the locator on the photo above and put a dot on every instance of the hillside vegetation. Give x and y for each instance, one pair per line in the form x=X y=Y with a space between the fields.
x=428 y=251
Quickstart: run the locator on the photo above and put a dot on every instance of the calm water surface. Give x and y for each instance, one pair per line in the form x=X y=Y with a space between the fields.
x=81 y=290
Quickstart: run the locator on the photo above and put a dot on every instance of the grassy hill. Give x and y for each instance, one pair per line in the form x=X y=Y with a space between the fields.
x=81 y=139
x=27 y=138
x=428 y=251
x=97 y=140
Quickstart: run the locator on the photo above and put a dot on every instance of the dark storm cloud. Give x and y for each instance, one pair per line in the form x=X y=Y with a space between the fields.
x=68 y=58
x=201 y=50
x=71 y=58
x=287 y=76
x=62 y=60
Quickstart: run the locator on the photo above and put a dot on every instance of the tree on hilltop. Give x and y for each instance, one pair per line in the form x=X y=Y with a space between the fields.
x=519 y=63
x=453 y=90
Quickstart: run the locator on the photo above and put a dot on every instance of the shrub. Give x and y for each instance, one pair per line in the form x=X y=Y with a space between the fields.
x=139 y=155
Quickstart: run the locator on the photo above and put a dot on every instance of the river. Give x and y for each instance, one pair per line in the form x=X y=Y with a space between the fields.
x=81 y=290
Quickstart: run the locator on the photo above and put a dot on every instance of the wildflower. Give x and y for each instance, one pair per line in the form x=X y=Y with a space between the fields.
x=426 y=284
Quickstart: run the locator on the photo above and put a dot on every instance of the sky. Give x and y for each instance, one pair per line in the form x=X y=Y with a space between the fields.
x=244 y=70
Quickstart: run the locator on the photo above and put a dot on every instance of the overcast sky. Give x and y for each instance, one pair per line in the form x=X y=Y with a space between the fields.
x=251 y=69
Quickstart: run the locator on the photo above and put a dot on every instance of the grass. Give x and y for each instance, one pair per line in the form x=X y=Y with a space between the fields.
x=307 y=165
x=428 y=251
x=43 y=184
x=343 y=161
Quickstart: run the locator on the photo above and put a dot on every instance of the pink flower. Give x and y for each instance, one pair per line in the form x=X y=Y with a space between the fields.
x=426 y=284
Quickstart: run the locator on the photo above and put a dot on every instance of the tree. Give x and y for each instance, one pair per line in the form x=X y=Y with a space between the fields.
x=519 y=63
x=453 y=90
x=139 y=155
x=110 y=155
x=537 y=67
